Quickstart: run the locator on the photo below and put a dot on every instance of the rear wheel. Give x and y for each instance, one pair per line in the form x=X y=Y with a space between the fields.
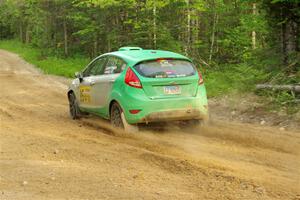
x=118 y=119
x=115 y=116
x=73 y=106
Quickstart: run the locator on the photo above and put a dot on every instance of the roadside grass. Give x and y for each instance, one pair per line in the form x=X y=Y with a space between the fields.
x=232 y=78
x=48 y=64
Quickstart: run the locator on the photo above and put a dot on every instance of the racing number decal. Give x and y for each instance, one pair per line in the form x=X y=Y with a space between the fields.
x=85 y=95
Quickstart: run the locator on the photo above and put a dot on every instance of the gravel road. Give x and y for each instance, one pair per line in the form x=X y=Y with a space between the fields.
x=46 y=155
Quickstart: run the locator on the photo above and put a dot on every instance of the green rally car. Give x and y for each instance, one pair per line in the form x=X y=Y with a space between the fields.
x=133 y=86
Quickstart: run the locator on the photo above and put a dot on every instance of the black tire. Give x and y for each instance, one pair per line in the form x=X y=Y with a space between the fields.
x=73 y=106
x=115 y=116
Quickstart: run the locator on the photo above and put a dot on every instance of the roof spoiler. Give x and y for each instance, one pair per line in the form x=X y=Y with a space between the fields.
x=130 y=49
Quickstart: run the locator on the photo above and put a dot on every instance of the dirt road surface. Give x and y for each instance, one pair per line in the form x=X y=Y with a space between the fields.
x=46 y=155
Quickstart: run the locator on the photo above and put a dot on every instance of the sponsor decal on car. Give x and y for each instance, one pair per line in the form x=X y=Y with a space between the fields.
x=85 y=96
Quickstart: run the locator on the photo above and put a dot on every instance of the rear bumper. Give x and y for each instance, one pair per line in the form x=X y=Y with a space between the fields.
x=173 y=115
x=170 y=109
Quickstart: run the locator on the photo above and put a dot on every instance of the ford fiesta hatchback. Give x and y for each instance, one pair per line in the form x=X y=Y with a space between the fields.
x=133 y=86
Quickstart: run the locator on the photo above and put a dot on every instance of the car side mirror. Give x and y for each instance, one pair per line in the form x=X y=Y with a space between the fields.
x=79 y=76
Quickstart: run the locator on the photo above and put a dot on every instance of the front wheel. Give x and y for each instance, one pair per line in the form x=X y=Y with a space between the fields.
x=73 y=106
x=118 y=120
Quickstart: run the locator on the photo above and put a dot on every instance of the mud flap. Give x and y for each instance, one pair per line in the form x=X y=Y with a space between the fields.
x=129 y=128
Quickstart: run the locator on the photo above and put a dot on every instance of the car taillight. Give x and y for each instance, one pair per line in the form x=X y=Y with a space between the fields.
x=201 y=81
x=131 y=79
x=134 y=111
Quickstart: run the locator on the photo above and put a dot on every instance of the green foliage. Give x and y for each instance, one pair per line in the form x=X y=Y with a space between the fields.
x=98 y=26
x=284 y=101
x=233 y=78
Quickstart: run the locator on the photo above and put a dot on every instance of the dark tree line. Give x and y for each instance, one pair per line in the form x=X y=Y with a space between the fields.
x=284 y=20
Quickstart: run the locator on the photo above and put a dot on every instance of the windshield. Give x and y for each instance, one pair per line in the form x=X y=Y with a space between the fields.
x=165 y=68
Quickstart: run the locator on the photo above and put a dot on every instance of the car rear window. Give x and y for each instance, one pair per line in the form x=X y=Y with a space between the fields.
x=165 y=68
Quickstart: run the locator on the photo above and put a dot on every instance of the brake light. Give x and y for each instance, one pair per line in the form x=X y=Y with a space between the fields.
x=132 y=80
x=134 y=111
x=201 y=81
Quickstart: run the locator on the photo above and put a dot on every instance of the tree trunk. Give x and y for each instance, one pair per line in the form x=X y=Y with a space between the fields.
x=289 y=40
x=281 y=33
x=253 y=32
x=95 y=46
x=213 y=36
x=108 y=44
x=188 y=28
x=21 y=32
x=27 y=35
x=298 y=35
x=154 y=25
x=292 y=88
x=65 y=38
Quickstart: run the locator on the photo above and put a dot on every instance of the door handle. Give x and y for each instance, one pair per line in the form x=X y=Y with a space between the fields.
x=92 y=83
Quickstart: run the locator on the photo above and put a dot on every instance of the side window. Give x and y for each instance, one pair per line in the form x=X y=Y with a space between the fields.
x=114 y=65
x=86 y=72
x=95 y=68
